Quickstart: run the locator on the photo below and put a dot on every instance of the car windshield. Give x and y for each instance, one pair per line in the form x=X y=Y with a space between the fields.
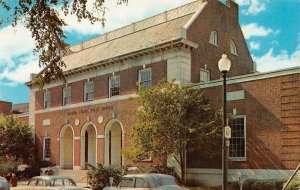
x=166 y=181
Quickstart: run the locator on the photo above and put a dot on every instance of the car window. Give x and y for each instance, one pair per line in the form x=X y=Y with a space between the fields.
x=126 y=182
x=57 y=182
x=140 y=183
x=166 y=181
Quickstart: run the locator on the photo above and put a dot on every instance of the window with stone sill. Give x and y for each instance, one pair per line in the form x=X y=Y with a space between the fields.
x=233 y=49
x=204 y=75
x=145 y=77
x=237 y=149
x=89 y=91
x=47 y=148
x=114 y=86
x=67 y=95
x=47 y=98
x=213 y=38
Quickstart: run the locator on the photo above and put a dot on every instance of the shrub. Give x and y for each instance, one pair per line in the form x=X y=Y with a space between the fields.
x=99 y=176
x=7 y=166
x=271 y=184
x=34 y=169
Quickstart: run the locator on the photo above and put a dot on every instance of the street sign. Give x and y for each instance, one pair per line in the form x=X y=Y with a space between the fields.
x=227 y=132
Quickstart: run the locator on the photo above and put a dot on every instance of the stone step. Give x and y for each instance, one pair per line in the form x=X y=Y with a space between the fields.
x=79 y=176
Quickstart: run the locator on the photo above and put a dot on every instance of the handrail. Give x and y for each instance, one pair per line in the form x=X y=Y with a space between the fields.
x=290 y=179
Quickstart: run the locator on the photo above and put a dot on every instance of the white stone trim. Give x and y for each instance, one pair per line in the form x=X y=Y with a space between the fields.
x=145 y=60
x=77 y=138
x=100 y=136
x=179 y=66
x=236 y=95
x=82 y=104
x=250 y=77
x=46 y=122
x=214 y=176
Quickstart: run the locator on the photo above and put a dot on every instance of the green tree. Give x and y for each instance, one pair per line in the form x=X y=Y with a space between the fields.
x=171 y=118
x=16 y=139
x=43 y=19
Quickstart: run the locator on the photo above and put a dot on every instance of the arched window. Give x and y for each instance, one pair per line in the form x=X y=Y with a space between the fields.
x=213 y=38
x=233 y=47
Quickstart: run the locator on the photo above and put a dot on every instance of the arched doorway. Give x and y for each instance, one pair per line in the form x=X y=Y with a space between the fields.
x=66 y=147
x=113 y=143
x=88 y=145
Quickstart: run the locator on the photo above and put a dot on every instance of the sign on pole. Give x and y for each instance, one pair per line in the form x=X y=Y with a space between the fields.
x=227 y=132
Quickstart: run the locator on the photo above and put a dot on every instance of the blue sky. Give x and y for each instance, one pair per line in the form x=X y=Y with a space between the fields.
x=271 y=29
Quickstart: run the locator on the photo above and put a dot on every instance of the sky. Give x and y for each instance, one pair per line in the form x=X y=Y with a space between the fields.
x=271 y=29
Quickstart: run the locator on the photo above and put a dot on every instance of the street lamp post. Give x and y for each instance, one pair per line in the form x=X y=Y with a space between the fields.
x=224 y=66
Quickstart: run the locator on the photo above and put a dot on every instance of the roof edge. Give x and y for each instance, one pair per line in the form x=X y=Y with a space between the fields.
x=250 y=77
x=195 y=15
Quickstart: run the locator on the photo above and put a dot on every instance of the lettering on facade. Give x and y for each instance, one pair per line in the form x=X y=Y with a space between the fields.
x=91 y=110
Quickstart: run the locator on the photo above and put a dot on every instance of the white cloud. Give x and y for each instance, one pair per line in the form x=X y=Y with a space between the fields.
x=254 y=45
x=253 y=29
x=21 y=73
x=15 y=41
x=270 y=61
x=121 y=15
x=254 y=7
x=16 y=58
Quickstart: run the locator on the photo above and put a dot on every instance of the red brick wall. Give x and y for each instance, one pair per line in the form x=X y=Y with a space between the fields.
x=128 y=80
x=125 y=110
x=272 y=120
x=219 y=17
x=24 y=119
x=5 y=107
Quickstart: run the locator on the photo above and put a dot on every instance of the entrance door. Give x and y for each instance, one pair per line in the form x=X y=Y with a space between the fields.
x=114 y=144
x=88 y=146
x=66 y=147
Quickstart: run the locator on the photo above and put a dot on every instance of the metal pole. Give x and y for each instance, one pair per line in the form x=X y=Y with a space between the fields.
x=224 y=146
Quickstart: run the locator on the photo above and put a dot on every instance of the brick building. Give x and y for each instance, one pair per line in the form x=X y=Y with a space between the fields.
x=21 y=111
x=85 y=119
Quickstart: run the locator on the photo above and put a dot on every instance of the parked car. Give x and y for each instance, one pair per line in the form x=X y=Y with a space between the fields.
x=49 y=183
x=147 y=182
x=4 y=184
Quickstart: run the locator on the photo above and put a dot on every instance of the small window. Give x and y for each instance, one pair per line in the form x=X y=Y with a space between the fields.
x=204 y=75
x=89 y=91
x=114 y=86
x=213 y=38
x=47 y=150
x=145 y=77
x=47 y=97
x=233 y=47
x=67 y=95
x=237 y=149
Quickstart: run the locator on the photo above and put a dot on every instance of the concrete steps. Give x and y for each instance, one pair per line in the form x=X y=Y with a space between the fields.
x=79 y=176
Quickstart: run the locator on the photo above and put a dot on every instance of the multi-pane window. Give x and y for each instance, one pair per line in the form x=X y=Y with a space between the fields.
x=237 y=147
x=89 y=91
x=232 y=47
x=47 y=97
x=204 y=75
x=114 y=86
x=47 y=150
x=67 y=95
x=213 y=38
x=145 y=77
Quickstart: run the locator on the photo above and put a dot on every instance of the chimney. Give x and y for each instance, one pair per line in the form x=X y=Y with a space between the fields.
x=234 y=9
